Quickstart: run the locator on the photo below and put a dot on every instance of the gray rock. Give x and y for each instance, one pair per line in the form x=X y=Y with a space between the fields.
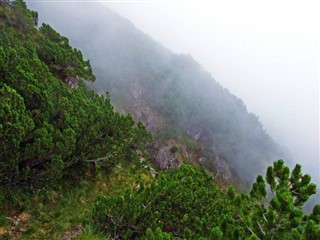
x=165 y=159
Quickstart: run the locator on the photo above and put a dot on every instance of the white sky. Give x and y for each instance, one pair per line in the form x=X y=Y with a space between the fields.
x=265 y=52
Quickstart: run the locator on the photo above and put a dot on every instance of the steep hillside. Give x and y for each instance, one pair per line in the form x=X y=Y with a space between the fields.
x=72 y=168
x=172 y=94
x=51 y=125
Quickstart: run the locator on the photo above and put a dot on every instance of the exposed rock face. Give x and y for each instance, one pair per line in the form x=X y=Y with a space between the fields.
x=215 y=163
x=166 y=159
x=162 y=153
x=143 y=112
x=199 y=134
x=195 y=132
x=223 y=169
x=149 y=117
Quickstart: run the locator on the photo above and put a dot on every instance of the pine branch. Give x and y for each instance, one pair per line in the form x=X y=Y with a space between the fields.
x=250 y=230
x=260 y=227
x=98 y=159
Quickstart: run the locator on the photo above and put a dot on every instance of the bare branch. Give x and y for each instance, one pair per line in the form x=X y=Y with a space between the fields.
x=260 y=227
x=250 y=230
x=264 y=217
x=99 y=159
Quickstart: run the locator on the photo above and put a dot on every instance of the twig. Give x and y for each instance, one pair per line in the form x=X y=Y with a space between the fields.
x=248 y=227
x=264 y=217
x=98 y=159
x=261 y=228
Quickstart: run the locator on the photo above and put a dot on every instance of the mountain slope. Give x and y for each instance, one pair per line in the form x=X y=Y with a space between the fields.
x=50 y=123
x=51 y=126
x=172 y=94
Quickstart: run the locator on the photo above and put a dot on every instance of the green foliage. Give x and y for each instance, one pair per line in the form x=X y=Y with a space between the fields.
x=297 y=185
x=290 y=190
x=15 y=125
x=50 y=123
x=52 y=126
x=158 y=234
x=186 y=203
x=175 y=87
x=63 y=61
x=165 y=204
x=174 y=149
x=90 y=234
x=59 y=209
x=259 y=188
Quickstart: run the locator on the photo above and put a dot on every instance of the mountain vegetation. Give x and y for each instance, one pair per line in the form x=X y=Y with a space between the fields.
x=186 y=203
x=172 y=94
x=50 y=123
x=71 y=167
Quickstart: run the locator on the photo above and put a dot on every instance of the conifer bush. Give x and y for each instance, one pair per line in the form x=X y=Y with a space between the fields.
x=50 y=124
x=187 y=203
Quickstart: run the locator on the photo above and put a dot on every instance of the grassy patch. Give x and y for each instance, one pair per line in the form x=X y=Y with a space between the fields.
x=63 y=211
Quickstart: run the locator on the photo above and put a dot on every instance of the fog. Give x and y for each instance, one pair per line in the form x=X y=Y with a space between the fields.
x=266 y=53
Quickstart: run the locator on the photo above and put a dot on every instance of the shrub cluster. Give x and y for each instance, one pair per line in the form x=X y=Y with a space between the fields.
x=50 y=123
x=186 y=203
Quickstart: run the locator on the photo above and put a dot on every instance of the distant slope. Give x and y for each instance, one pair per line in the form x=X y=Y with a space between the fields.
x=171 y=93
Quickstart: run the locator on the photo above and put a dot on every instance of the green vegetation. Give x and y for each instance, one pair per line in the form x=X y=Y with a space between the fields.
x=185 y=96
x=65 y=209
x=187 y=203
x=174 y=149
x=73 y=168
x=50 y=123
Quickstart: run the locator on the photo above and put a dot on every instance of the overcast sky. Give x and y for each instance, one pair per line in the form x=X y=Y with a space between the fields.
x=265 y=52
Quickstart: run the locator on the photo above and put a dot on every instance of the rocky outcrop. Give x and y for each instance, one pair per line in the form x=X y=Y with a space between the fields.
x=143 y=112
x=223 y=169
x=166 y=158
x=171 y=153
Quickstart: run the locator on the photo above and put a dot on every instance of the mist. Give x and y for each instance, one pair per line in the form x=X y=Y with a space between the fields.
x=265 y=53
x=167 y=119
